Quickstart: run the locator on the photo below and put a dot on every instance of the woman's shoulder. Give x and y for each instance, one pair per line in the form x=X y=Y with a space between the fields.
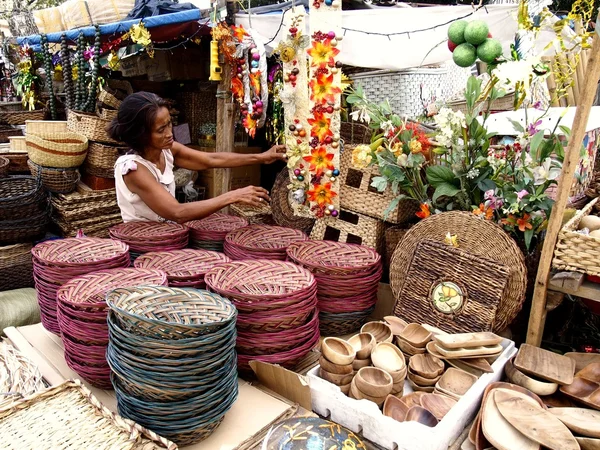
x=130 y=163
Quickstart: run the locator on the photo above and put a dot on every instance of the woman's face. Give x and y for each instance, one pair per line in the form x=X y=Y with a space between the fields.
x=162 y=131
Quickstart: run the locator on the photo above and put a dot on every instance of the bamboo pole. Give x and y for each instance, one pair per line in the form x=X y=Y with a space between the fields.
x=564 y=62
x=576 y=78
x=551 y=82
x=537 y=316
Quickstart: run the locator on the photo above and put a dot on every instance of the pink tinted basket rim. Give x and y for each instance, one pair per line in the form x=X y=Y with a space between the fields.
x=181 y=265
x=300 y=333
x=335 y=251
x=144 y=231
x=252 y=237
x=215 y=227
x=79 y=253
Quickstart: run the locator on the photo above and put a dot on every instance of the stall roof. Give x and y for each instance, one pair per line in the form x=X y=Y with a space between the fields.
x=118 y=27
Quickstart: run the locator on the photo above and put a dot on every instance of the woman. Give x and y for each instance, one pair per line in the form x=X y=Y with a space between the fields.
x=144 y=177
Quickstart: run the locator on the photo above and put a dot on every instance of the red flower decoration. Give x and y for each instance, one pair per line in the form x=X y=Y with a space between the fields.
x=319 y=160
x=320 y=126
x=322 y=194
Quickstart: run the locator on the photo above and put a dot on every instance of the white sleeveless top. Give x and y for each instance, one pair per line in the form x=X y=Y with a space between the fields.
x=132 y=206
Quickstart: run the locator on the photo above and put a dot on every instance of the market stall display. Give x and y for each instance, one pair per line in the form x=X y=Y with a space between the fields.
x=144 y=237
x=82 y=312
x=261 y=242
x=172 y=354
x=209 y=233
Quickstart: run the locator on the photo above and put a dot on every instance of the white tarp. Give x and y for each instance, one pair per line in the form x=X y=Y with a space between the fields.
x=401 y=51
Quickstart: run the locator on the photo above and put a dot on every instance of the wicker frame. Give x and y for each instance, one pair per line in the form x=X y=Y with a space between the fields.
x=283 y=213
x=56 y=180
x=476 y=236
x=261 y=242
x=57 y=149
x=90 y=126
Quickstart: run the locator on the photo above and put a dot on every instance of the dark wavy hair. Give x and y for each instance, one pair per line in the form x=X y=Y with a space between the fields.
x=135 y=119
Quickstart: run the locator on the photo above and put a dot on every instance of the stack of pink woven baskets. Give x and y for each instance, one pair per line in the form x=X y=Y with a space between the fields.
x=82 y=312
x=184 y=268
x=261 y=242
x=56 y=262
x=209 y=233
x=347 y=277
x=144 y=237
x=276 y=301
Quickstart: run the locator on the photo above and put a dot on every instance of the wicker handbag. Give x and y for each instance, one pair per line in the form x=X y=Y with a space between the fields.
x=56 y=180
x=57 y=149
x=90 y=126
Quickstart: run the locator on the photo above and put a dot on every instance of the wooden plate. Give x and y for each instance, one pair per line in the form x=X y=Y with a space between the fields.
x=468 y=340
x=426 y=365
x=433 y=349
x=438 y=405
x=489 y=350
x=535 y=386
x=396 y=324
x=456 y=382
x=580 y=420
x=416 y=335
x=544 y=364
x=413 y=399
x=588 y=443
x=459 y=364
x=583 y=359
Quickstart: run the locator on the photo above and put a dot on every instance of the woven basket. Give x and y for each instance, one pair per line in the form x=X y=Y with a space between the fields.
x=393 y=236
x=342 y=324
x=354 y=133
x=477 y=237
x=59 y=181
x=283 y=213
x=21 y=197
x=95 y=227
x=101 y=159
x=184 y=268
x=209 y=233
x=70 y=413
x=351 y=228
x=143 y=237
x=252 y=214
x=16 y=267
x=18 y=144
x=261 y=242
x=23 y=230
x=505 y=103
x=45 y=126
x=21 y=117
x=357 y=194
x=4 y=163
x=575 y=251
x=108 y=114
x=107 y=98
x=17 y=162
x=6 y=133
x=90 y=126
x=57 y=149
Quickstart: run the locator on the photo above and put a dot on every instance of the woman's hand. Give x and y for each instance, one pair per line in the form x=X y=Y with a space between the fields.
x=275 y=153
x=250 y=195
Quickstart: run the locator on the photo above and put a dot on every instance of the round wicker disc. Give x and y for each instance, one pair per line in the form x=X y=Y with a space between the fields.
x=333 y=257
x=283 y=214
x=264 y=237
x=476 y=236
x=181 y=263
x=215 y=227
x=92 y=288
x=78 y=251
x=144 y=231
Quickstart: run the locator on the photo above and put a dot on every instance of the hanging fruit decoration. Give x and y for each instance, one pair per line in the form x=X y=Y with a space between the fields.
x=65 y=60
x=94 y=62
x=47 y=60
x=80 y=94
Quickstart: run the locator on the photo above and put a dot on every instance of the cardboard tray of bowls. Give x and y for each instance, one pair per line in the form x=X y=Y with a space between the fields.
x=365 y=417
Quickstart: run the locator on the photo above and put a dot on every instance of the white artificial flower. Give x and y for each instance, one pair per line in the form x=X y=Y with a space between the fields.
x=402 y=160
x=361 y=114
x=473 y=173
x=387 y=126
x=512 y=72
x=545 y=172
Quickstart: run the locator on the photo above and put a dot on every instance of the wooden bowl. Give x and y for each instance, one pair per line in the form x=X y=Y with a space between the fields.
x=345 y=388
x=439 y=391
x=416 y=335
x=337 y=379
x=422 y=381
x=416 y=388
x=438 y=405
x=456 y=382
x=413 y=399
x=398 y=388
x=399 y=376
x=407 y=348
x=580 y=388
x=590 y=372
x=421 y=415
x=395 y=408
x=426 y=365
x=338 y=351
x=334 y=368
x=388 y=357
x=374 y=382
x=363 y=344
x=396 y=324
x=359 y=395
x=381 y=331
x=358 y=364
x=536 y=386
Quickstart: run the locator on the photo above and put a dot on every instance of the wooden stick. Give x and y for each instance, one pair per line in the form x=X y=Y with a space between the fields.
x=565 y=65
x=588 y=94
x=551 y=82
x=577 y=78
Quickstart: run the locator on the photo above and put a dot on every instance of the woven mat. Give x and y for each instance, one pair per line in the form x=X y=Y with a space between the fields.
x=94 y=227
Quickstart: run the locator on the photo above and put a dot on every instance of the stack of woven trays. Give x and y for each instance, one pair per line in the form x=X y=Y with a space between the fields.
x=93 y=212
x=348 y=278
x=58 y=261
x=82 y=312
x=144 y=237
x=209 y=233
x=172 y=354
x=261 y=242
x=23 y=210
x=69 y=416
x=276 y=301
x=184 y=268
x=16 y=267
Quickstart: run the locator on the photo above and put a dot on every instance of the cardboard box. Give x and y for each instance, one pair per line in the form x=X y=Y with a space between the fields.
x=131 y=66
x=179 y=64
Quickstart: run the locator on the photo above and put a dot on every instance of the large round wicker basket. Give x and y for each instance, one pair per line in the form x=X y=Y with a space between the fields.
x=283 y=213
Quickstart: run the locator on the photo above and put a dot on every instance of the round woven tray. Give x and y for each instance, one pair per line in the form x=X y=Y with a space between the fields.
x=143 y=237
x=475 y=236
x=171 y=313
x=261 y=242
x=57 y=180
x=283 y=213
x=184 y=268
x=215 y=227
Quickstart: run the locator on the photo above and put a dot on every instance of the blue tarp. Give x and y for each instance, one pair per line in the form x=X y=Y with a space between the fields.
x=116 y=28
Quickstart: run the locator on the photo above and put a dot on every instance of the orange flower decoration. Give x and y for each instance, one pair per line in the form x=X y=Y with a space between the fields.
x=250 y=125
x=255 y=82
x=323 y=90
x=320 y=126
x=239 y=32
x=319 y=160
x=482 y=211
x=524 y=224
x=425 y=212
x=237 y=89
x=323 y=53
x=321 y=194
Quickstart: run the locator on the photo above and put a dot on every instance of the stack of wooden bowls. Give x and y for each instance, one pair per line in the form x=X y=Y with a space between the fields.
x=363 y=344
x=386 y=356
x=277 y=304
x=337 y=357
x=261 y=242
x=184 y=268
x=348 y=279
x=58 y=261
x=82 y=312
x=144 y=237
x=424 y=371
x=172 y=356
x=209 y=233
x=373 y=384
x=413 y=339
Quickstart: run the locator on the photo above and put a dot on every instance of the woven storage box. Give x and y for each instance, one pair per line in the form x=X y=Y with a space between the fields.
x=23 y=230
x=16 y=267
x=184 y=268
x=357 y=195
x=393 y=236
x=143 y=237
x=8 y=132
x=575 y=251
x=101 y=159
x=283 y=213
x=21 y=197
x=57 y=149
x=108 y=114
x=209 y=233
x=17 y=144
x=252 y=214
x=90 y=126
x=261 y=242
x=108 y=99
x=57 y=180
x=69 y=416
x=21 y=117
x=45 y=126
x=351 y=228
x=505 y=103
x=354 y=133
x=95 y=227
x=477 y=237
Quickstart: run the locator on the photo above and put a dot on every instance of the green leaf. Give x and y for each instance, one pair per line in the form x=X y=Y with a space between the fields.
x=444 y=190
x=536 y=140
x=437 y=175
x=379 y=183
x=517 y=126
x=395 y=186
x=391 y=207
x=486 y=185
x=528 y=236
x=566 y=130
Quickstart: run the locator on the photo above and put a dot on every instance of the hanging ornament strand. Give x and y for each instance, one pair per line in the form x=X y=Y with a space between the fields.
x=80 y=87
x=47 y=59
x=65 y=59
x=94 y=62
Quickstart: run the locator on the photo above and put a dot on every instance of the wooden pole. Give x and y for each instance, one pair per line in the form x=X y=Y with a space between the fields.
x=551 y=82
x=225 y=129
x=537 y=315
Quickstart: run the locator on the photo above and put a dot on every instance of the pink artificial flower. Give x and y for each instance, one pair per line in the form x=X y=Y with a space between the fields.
x=492 y=202
x=522 y=194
